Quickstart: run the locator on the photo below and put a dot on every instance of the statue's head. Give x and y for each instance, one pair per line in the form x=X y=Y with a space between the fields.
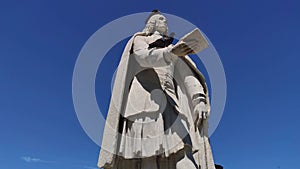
x=156 y=22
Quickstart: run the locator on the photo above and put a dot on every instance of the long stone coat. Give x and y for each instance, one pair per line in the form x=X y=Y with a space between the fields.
x=130 y=101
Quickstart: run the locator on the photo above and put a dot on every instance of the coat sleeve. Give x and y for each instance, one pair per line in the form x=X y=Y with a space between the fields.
x=194 y=88
x=151 y=57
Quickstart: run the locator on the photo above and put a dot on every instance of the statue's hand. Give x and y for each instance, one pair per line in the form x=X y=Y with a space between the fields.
x=201 y=112
x=184 y=48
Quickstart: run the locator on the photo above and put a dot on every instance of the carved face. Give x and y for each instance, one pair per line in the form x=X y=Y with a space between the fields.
x=160 y=23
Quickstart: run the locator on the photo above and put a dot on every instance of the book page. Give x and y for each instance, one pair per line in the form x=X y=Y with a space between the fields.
x=195 y=35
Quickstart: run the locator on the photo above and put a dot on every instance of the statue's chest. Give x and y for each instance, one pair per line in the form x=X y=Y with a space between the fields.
x=152 y=38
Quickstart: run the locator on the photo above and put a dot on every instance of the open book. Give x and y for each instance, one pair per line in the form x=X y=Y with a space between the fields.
x=195 y=35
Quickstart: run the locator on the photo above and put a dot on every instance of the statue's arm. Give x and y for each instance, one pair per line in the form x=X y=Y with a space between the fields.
x=198 y=97
x=194 y=88
x=195 y=92
x=153 y=57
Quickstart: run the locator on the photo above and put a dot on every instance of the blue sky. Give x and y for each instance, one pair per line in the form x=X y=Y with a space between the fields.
x=258 y=43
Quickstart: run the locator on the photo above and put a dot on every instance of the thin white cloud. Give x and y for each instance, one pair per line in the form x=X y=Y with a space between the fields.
x=29 y=159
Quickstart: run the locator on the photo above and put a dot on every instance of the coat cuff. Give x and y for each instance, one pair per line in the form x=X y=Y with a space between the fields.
x=168 y=55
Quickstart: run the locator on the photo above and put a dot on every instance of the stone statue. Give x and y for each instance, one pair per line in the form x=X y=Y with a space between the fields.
x=159 y=109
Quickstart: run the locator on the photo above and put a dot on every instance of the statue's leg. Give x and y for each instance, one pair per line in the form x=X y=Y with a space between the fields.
x=166 y=162
x=185 y=159
x=129 y=164
x=149 y=163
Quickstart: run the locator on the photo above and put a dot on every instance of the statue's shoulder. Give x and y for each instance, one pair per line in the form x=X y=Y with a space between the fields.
x=140 y=34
